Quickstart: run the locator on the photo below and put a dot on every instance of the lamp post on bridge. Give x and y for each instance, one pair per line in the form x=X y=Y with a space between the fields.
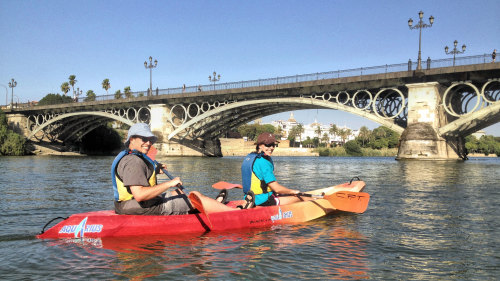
x=420 y=25
x=214 y=79
x=150 y=66
x=12 y=84
x=455 y=51
x=77 y=94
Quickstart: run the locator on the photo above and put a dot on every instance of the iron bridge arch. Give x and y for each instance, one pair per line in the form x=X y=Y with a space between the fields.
x=387 y=107
x=75 y=125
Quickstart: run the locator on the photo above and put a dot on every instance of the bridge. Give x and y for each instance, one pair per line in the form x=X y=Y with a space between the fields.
x=433 y=109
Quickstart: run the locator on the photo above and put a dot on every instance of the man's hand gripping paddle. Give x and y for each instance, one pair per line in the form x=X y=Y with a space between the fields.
x=152 y=154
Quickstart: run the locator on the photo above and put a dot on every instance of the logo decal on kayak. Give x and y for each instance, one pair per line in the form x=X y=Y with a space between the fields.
x=281 y=215
x=81 y=228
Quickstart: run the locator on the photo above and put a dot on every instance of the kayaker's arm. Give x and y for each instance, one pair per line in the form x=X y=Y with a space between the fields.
x=143 y=193
x=278 y=188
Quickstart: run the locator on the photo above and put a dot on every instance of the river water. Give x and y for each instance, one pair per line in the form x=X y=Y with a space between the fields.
x=425 y=221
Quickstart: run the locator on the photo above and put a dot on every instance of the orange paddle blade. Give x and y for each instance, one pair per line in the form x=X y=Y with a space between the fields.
x=195 y=200
x=348 y=201
x=226 y=185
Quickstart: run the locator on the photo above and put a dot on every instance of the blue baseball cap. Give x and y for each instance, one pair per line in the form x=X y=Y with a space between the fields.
x=140 y=129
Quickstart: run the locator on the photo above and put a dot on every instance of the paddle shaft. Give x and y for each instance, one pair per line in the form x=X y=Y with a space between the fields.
x=301 y=194
x=170 y=176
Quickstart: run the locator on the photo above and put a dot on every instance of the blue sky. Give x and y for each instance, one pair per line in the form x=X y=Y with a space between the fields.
x=42 y=43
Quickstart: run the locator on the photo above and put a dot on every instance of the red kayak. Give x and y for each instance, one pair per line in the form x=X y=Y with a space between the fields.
x=345 y=197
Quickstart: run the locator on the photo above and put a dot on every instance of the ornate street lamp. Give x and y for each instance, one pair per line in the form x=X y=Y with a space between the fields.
x=455 y=51
x=78 y=93
x=150 y=66
x=420 y=25
x=214 y=79
x=12 y=84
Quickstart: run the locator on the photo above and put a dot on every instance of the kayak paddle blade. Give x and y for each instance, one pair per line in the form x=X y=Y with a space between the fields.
x=226 y=185
x=348 y=201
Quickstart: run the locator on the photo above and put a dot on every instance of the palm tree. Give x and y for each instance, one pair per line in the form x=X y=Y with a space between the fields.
x=364 y=134
x=300 y=131
x=325 y=138
x=65 y=87
x=72 y=82
x=293 y=133
x=318 y=131
x=118 y=94
x=333 y=130
x=344 y=134
x=279 y=132
x=106 y=85
x=128 y=92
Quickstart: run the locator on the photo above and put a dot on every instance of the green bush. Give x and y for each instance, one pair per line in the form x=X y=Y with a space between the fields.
x=14 y=145
x=10 y=143
x=353 y=148
x=54 y=99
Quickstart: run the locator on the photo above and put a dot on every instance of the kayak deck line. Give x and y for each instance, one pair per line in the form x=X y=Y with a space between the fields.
x=107 y=223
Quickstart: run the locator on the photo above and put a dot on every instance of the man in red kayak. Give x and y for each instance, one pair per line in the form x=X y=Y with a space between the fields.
x=257 y=172
x=134 y=179
x=136 y=191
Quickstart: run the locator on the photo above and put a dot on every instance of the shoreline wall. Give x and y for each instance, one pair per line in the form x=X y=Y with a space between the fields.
x=240 y=147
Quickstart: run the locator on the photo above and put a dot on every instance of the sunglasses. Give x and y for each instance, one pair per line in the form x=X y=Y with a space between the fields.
x=146 y=139
x=270 y=145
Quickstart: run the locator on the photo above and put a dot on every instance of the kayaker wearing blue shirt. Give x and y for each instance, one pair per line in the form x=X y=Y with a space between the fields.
x=257 y=172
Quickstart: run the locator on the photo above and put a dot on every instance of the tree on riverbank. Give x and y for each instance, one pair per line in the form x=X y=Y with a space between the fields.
x=11 y=143
x=381 y=137
x=251 y=131
x=485 y=144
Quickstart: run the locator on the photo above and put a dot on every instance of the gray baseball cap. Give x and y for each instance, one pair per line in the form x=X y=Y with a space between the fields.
x=140 y=129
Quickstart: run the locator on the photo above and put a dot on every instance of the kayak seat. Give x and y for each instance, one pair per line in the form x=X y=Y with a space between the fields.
x=222 y=196
x=249 y=201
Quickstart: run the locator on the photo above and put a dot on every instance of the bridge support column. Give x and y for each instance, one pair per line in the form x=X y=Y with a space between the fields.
x=420 y=139
x=161 y=127
x=17 y=122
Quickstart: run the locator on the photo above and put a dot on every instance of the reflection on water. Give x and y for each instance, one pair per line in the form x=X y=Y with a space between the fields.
x=425 y=221
x=236 y=254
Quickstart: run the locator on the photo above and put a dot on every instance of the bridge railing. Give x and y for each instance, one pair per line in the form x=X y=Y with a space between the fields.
x=409 y=66
x=388 y=68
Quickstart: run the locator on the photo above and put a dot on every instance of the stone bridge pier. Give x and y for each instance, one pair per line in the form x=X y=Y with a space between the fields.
x=161 y=127
x=420 y=140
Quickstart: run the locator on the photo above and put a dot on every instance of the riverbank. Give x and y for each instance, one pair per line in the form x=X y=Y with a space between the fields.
x=240 y=147
x=39 y=150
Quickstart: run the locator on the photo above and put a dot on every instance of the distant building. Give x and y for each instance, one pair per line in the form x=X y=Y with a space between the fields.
x=310 y=130
x=479 y=134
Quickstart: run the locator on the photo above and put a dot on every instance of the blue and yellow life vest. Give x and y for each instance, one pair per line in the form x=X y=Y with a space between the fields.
x=249 y=179
x=121 y=192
